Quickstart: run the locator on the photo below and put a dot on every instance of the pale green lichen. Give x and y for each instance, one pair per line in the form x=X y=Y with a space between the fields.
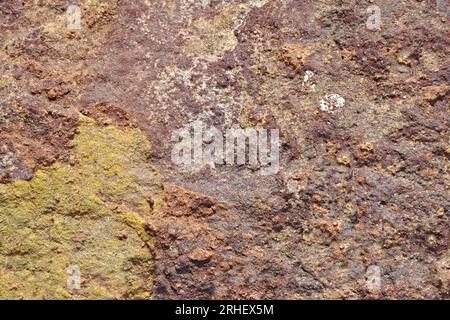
x=211 y=38
x=90 y=214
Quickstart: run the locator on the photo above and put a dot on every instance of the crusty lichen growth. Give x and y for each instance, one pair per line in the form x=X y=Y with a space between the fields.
x=211 y=38
x=89 y=213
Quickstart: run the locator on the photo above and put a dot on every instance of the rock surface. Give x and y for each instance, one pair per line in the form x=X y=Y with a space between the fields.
x=86 y=177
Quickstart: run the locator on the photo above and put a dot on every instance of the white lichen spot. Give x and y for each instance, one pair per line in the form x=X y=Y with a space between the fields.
x=308 y=76
x=205 y=3
x=331 y=103
x=373 y=279
x=307 y=81
x=259 y=3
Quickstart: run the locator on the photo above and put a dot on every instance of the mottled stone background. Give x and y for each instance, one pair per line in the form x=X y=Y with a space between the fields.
x=86 y=177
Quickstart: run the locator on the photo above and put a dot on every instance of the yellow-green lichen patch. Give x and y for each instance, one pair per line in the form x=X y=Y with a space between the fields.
x=89 y=214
